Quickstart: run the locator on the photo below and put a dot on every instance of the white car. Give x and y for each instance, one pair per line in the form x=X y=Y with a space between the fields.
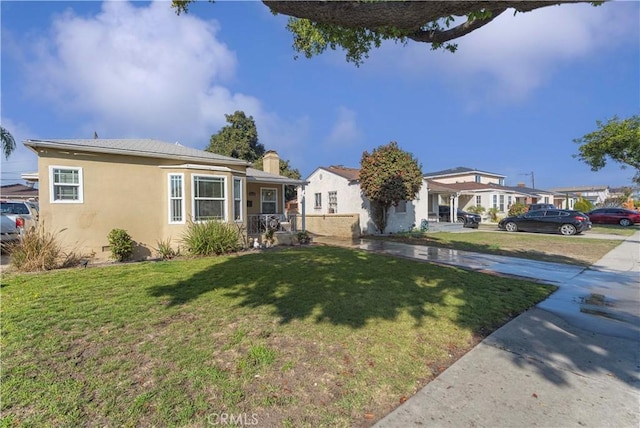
x=16 y=217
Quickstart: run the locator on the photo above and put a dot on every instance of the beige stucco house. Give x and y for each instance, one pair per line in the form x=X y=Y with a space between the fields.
x=152 y=189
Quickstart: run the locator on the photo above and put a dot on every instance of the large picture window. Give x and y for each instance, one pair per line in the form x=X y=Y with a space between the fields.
x=209 y=198
x=66 y=184
x=269 y=201
x=237 y=199
x=176 y=198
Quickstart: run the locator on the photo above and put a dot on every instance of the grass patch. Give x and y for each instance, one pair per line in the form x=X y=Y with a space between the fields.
x=612 y=229
x=307 y=336
x=544 y=247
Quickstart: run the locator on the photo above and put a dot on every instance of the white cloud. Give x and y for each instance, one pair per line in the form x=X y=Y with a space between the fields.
x=142 y=72
x=513 y=55
x=345 y=130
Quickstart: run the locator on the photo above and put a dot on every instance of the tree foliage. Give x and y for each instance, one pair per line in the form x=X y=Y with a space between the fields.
x=357 y=26
x=583 y=204
x=389 y=175
x=238 y=139
x=618 y=140
x=8 y=143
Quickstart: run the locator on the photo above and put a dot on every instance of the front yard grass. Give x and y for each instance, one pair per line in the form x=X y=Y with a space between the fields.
x=306 y=336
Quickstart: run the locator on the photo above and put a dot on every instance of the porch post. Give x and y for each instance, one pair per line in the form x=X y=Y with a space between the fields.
x=304 y=209
x=452 y=211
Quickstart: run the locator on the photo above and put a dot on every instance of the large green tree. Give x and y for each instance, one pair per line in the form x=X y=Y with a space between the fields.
x=8 y=143
x=357 y=26
x=618 y=140
x=388 y=175
x=238 y=139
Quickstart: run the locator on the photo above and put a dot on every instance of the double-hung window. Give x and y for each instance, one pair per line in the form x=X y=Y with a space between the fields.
x=268 y=201
x=478 y=200
x=66 y=184
x=318 y=200
x=209 y=198
x=237 y=199
x=495 y=201
x=401 y=207
x=176 y=198
x=501 y=203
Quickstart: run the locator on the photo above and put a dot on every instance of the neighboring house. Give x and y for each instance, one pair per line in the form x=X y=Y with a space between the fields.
x=594 y=194
x=336 y=190
x=150 y=188
x=464 y=187
x=463 y=174
x=19 y=191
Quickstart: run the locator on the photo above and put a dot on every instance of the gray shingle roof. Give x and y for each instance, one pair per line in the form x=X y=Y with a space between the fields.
x=459 y=170
x=136 y=147
x=262 y=176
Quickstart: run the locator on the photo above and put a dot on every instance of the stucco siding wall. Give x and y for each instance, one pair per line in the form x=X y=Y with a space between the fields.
x=467 y=178
x=122 y=192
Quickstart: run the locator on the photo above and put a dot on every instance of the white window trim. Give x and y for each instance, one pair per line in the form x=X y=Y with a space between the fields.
x=236 y=179
x=406 y=203
x=315 y=201
x=193 y=196
x=171 y=198
x=80 y=186
x=274 y=202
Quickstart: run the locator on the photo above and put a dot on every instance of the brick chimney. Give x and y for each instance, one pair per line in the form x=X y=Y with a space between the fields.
x=521 y=185
x=271 y=162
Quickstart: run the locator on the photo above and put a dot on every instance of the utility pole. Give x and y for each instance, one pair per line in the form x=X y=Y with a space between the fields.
x=533 y=180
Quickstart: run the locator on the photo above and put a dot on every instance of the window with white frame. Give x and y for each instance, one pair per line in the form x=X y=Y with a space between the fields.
x=66 y=184
x=478 y=200
x=176 y=198
x=501 y=203
x=501 y=181
x=318 y=200
x=478 y=178
x=495 y=201
x=401 y=207
x=509 y=201
x=268 y=201
x=209 y=198
x=546 y=199
x=333 y=202
x=237 y=199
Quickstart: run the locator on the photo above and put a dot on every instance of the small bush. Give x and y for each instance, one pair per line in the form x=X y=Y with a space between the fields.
x=303 y=237
x=493 y=214
x=121 y=244
x=165 y=250
x=476 y=209
x=211 y=237
x=517 y=209
x=583 y=205
x=39 y=250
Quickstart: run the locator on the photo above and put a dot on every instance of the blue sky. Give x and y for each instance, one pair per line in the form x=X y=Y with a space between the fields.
x=510 y=100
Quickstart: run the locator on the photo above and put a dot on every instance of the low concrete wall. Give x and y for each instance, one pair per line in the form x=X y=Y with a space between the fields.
x=338 y=225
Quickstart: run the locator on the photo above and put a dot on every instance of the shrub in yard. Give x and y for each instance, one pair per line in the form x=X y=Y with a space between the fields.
x=493 y=214
x=39 y=250
x=517 y=209
x=211 y=237
x=121 y=244
x=476 y=209
x=583 y=205
x=165 y=250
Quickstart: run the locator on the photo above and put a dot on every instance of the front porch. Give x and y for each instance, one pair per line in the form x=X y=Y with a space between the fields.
x=257 y=224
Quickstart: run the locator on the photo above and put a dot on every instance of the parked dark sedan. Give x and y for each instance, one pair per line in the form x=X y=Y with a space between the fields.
x=620 y=216
x=566 y=222
x=469 y=219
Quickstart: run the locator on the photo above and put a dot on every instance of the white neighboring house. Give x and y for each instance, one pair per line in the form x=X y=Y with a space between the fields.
x=594 y=194
x=336 y=190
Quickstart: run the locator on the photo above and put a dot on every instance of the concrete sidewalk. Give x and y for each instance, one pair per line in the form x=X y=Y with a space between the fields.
x=574 y=360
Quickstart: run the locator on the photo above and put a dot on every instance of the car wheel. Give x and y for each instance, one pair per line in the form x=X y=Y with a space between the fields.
x=568 y=229
x=625 y=222
x=461 y=220
x=511 y=227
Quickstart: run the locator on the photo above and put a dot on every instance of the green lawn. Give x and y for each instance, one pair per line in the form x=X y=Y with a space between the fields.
x=303 y=336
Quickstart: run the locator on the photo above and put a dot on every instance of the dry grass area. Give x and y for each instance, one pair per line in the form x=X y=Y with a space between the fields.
x=576 y=250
